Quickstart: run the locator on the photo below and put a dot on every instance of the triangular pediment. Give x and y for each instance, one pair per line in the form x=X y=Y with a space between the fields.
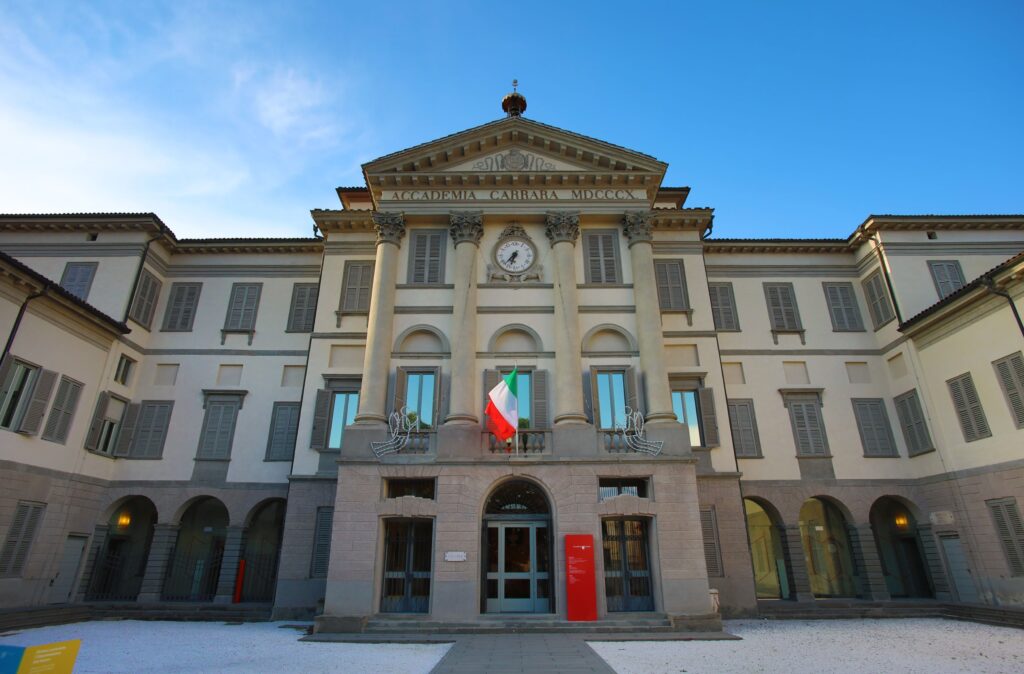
x=516 y=158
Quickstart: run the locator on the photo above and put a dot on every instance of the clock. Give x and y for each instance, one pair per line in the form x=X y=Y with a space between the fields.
x=515 y=255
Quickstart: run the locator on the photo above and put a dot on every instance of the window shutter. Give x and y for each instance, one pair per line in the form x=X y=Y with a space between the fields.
x=284 y=427
x=541 y=418
x=92 y=438
x=151 y=430
x=912 y=423
x=302 y=313
x=218 y=429
x=435 y=258
x=242 y=307
x=1010 y=372
x=418 y=272
x=426 y=258
x=723 y=306
x=708 y=419
x=878 y=300
x=842 y=307
x=968 y=408
x=808 y=428
x=398 y=390
x=744 y=428
x=36 y=409
x=5 y=376
x=782 y=306
x=355 y=291
x=145 y=299
x=62 y=412
x=671 y=281
x=947 y=275
x=873 y=426
x=321 y=542
x=712 y=549
x=632 y=399
x=588 y=397
x=181 y=307
x=19 y=538
x=127 y=431
x=1010 y=529
x=602 y=257
x=321 y=420
x=77 y=278
x=491 y=379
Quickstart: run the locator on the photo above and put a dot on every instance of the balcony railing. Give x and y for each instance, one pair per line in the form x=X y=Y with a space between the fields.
x=530 y=442
x=614 y=441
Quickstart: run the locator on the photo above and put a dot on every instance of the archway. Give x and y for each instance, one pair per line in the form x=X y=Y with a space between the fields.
x=517 y=549
x=899 y=549
x=827 y=549
x=194 y=567
x=262 y=550
x=771 y=575
x=121 y=565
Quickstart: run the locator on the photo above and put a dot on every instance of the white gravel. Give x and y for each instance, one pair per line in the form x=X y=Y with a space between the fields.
x=912 y=645
x=155 y=647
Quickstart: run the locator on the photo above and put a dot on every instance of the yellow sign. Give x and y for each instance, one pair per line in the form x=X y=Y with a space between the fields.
x=58 y=658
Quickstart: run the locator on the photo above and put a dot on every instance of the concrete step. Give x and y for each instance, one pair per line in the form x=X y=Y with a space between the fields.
x=504 y=624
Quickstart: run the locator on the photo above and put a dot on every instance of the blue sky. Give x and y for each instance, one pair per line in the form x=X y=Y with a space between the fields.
x=234 y=119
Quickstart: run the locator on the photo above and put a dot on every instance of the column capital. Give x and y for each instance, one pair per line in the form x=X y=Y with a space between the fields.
x=390 y=226
x=638 y=226
x=466 y=226
x=562 y=226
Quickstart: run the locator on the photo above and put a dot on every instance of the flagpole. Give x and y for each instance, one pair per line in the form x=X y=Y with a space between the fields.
x=515 y=368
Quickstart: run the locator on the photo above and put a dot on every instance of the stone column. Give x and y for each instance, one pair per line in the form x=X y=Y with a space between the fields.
x=160 y=549
x=563 y=228
x=794 y=547
x=466 y=230
x=96 y=549
x=234 y=543
x=638 y=226
x=868 y=564
x=380 y=326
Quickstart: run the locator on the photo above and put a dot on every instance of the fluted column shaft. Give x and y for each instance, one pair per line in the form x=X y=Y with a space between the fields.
x=466 y=230
x=562 y=230
x=380 y=324
x=637 y=227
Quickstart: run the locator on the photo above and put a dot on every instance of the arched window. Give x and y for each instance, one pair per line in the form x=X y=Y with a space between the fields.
x=517 y=497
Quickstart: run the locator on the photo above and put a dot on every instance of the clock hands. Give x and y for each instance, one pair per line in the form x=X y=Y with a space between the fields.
x=512 y=257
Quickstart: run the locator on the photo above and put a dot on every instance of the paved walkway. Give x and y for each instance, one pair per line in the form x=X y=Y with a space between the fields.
x=533 y=653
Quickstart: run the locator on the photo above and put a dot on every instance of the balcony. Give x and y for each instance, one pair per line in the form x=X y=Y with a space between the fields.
x=530 y=442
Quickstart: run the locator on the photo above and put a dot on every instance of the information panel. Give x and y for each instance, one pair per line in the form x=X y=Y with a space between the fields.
x=581 y=590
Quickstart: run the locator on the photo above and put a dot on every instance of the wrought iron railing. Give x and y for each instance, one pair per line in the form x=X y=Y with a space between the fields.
x=193 y=578
x=260 y=577
x=114 y=578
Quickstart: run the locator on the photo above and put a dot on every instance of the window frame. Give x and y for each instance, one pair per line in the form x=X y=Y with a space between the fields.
x=140 y=312
x=133 y=450
x=731 y=294
x=219 y=397
x=125 y=368
x=893 y=452
x=93 y=266
x=884 y=299
x=54 y=436
x=310 y=310
x=106 y=443
x=684 y=385
x=973 y=412
x=336 y=387
x=229 y=329
x=667 y=307
x=588 y=276
x=749 y=404
x=792 y=399
x=296 y=406
x=1013 y=391
x=953 y=264
x=415 y=235
x=624 y=371
x=24 y=394
x=403 y=373
x=346 y=278
x=180 y=288
x=17 y=543
x=858 y=318
x=618 y=482
x=797 y=327
x=913 y=400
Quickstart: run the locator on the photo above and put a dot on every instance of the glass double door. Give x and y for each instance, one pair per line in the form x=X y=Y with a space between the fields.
x=408 y=545
x=627 y=568
x=518 y=567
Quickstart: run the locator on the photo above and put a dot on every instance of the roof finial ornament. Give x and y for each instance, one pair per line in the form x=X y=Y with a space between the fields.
x=514 y=104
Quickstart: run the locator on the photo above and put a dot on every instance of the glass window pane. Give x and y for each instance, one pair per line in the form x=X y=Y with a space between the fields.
x=337 y=421
x=524 y=394
x=677 y=406
x=693 y=418
x=412 y=395
x=604 y=397
x=619 y=395
x=352 y=406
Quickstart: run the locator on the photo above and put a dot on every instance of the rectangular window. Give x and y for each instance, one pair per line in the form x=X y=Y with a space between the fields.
x=745 y=439
x=968 y=408
x=670 y=276
x=420 y=398
x=181 y=307
x=610 y=487
x=105 y=427
x=218 y=430
x=533 y=395
x=1010 y=372
x=808 y=424
x=426 y=255
x=302 y=313
x=1010 y=530
x=879 y=305
x=601 y=248
x=712 y=548
x=947 y=275
x=344 y=407
x=58 y=424
x=612 y=399
x=284 y=429
x=18 y=542
x=123 y=372
x=873 y=426
x=842 y=307
x=397 y=487
x=782 y=309
x=356 y=286
x=242 y=307
x=77 y=278
x=723 y=306
x=687 y=408
x=321 y=542
x=18 y=381
x=915 y=431
x=154 y=418
x=144 y=303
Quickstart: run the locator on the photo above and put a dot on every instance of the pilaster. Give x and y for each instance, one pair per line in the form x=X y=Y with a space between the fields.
x=799 y=580
x=867 y=562
x=160 y=550
x=234 y=541
x=96 y=548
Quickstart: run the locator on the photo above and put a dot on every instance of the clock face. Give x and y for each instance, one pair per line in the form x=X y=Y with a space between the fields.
x=515 y=256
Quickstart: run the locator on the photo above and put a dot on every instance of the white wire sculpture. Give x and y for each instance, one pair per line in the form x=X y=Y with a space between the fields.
x=400 y=425
x=633 y=434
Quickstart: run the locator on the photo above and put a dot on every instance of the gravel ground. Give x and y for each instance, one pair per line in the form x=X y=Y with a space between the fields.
x=155 y=647
x=794 y=647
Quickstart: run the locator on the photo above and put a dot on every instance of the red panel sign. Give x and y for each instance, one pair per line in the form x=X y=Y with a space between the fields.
x=581 y=590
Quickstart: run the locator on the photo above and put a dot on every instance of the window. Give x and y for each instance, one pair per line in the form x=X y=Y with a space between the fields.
x=879 y=305
x=808 y=425
x=284 y=429
x=842 y=307
x=302 y=313
x=20 y=535
x=712 y=548
x=1010 y=530
x=123 y=372
x=181 y=307
x=336 y=407
x=610 y=487
x=18 y=379
x=671 y=279
x=77 y=278
x=58 y=424
x=218 y=426
x=694 y=405
x=152 y=420
x=242 y=307
x=1010 y=372
x=782 y=310
x=687 y=409
x=602 y=250
x=321 y=542
x=947 y=275
x=614 y=395
x=397 y=487
x=743 y=423
x=915 y=431
x=144 y=303
x=873 y=426
x=968 y=408
x=104 y=433
x=532 y=389
x=356 y=286
x=426 y=256
x=420 y=398
x=723 y=306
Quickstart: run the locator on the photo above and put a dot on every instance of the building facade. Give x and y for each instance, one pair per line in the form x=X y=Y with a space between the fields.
x=298 y=423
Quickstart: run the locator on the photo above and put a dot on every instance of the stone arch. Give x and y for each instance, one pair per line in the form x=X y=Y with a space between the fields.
x=119 y=502
x=609 y=337
x=422 y=338
x=506 y=482
x=258 y=507
x=515 y=338
x=193 y=571
x=264 y=530
x=773 y=568
x=123 y=550
x=901 y=547
x=180 y=511
x=829 y=550
x=774 y=514
x=847 y=514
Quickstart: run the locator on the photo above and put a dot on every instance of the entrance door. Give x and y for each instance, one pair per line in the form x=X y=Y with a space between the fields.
x=956 y=561
x=627 y=569
x=408 y=546
x=67 y=572
x=518 y=567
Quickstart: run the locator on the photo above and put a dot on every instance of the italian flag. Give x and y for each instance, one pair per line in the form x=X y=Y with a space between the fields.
x=503 y=408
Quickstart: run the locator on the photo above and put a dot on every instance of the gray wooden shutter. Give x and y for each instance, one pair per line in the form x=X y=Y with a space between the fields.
x=321 y=420
x=723 y=306
x=92 y=438
x=127 y=431
x=1010 y=372
x=671 y=280
x=541 y=414
x=242 y=307
x=708 y=418
x=632 y=399
x=63 y=410
x=356 y=287
x=398 y=389
x=912 y=423
x=743 y=423
x=602 y=257
x=968 y=408
x=284 y=427
x=873 y=427
x=435 y=257
x=181 y=307
x=588 y=396
x=6 y=367
x=491 y=379
x=947 y=275
x=151 y=430
x=321 y=542
x=77 y=278
x=145 y=300
x=842 y=307
x=19 y=537
x=1010 y=530
x=218 y=429
x=878 y=300
x=712 y=549
x=782 y=307
x=36 y=409
x=418 y=258
x=302 y=313
x=808 y=427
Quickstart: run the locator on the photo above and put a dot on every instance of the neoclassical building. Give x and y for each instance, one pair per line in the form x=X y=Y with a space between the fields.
x=296 y=424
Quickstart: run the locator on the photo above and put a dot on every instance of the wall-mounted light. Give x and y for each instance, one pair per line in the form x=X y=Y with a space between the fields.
x=901 y=522
x=124 y=520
